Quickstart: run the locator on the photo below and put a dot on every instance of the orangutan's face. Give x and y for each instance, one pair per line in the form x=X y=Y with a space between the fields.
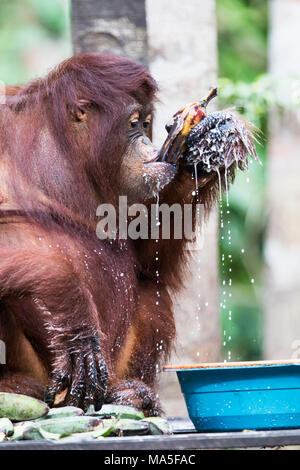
x=142 y=175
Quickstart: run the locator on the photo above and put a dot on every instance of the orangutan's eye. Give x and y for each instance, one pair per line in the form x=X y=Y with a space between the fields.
x=147 y=122
x=134 y=124
x=134 y=120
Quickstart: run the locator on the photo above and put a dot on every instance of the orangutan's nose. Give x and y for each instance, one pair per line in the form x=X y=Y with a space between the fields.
x=146 y=140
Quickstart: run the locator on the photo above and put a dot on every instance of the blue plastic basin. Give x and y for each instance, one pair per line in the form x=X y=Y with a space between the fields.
x=241 y=395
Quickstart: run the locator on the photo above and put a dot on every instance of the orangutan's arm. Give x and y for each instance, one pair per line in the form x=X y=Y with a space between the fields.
x=168 y=256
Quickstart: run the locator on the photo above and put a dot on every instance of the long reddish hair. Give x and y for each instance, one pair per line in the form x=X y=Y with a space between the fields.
x=70 y=174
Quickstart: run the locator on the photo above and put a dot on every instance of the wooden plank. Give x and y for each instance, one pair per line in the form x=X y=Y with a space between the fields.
x=191 y=441
x=228 y=365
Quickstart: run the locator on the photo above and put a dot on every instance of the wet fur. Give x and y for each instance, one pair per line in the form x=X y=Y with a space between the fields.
x=86 y=307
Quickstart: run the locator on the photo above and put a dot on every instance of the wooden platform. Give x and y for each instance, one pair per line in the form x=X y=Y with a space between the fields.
x=184 y=438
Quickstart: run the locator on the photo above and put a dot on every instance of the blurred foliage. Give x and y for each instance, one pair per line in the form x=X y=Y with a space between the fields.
x=27 y=29
x=242 y=48
x=247 y=216
x=246 y=223
x=242 y=39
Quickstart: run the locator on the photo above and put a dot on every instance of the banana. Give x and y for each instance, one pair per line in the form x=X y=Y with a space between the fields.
x=158 y=425
x=19 y=430
x=63 y=412
x=20 y=407
x=68 y=424
x=6 y=426
x=82 y=428
x=99 y=432
x=61 y=427
x=117 y=411
x=130 y=427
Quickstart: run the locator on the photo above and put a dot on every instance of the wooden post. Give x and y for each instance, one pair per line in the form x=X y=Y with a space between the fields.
x=282 y=247
x=115 y=26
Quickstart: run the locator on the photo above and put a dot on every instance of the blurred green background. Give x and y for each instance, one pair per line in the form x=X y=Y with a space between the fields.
x=35 y=35
x=242 y=49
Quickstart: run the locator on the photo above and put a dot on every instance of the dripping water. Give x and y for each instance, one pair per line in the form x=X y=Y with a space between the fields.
x=157 y=252
x=159 y=344
x=198 y=260
x=226 y=263
x=196 y=179
x=226 y=186
x=220 y=184
x=157 y=210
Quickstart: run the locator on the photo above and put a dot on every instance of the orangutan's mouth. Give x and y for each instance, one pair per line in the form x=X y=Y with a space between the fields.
x=153 y=160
